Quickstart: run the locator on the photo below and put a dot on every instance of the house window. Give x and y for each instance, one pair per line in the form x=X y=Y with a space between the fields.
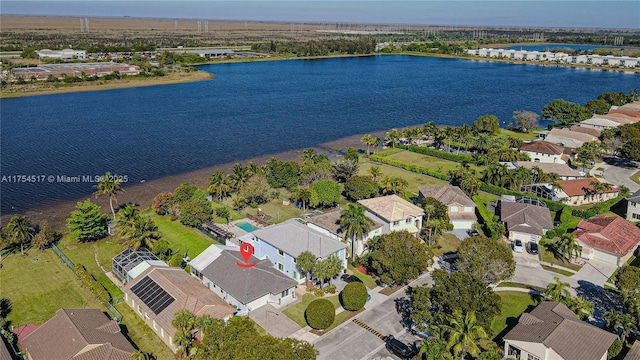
x=280 y=252
x=285 y=293
x=408 y=221
x=280 y=267
x=454 y=209
x=635 y=216
x=468 y=209
x=139 y=310
x=532 y=357
x=396 y=223
x=155 y=325
x=295 y=261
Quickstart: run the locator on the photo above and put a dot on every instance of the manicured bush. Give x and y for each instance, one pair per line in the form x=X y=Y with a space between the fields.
x=320 y=314
x=331 y=289
x=353 y=296
x=319 y=292
x=614 y=349
x=92 y=284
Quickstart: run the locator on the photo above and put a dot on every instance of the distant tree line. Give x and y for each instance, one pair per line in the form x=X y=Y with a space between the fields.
x=363 y=45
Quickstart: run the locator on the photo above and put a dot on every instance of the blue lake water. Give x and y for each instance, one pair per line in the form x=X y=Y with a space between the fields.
x=252 y=109
x=562 y=46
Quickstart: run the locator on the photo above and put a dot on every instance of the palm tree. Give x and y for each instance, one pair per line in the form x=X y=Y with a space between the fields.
x=568 y=247
x=624 y=191
x=304 y=195
x=377 y=142
x=184 y=322
x=393 y=136
x=375 y=173
x=126 y=217
x=367 y=140
x=355 y=224
x=463 y=132
x=558 y=290
x=433 y=349
x=143 y=233
x=219 y=185
x=621 y=323
x=428 y=210
x=306 y=262
x=20 y=230
x=430 y=129
x=109 y=185
x=464 y=332
x=239 y=176
x=582 y=307
x=447 y=132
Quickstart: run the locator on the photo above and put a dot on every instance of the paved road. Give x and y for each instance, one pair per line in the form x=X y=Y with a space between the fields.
x=350 y=341
x=617 y=175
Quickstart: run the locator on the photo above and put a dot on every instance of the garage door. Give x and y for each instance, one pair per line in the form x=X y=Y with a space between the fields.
x=462 y=224
x=606 y=257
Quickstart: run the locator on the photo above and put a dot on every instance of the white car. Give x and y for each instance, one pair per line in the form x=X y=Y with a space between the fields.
x=517 y=246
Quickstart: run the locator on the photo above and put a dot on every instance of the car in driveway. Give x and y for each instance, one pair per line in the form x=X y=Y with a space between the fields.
x=532 y=247
x=350 y=278
x=473 y=232
x=517 y=246
x=398 y=348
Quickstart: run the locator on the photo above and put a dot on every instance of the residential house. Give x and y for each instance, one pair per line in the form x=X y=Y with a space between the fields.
x=159 y=292
x=563 y=171
x=585 y=130
x=328 y=223
x=608 y=238
x=247 y=288
x=568 y=138
x=633 y=207
x=526 y=222
x=634 y=353
x=282 y=243
x=600 y=123
x=5 y=354
x=544 y=152
x=130 y=263
x=394 y=213
x=553 y=332
x=581 y=191
x=460 y=208
x=78 y=334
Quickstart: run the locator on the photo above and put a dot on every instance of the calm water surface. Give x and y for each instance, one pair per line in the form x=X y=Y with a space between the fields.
x=258 y=108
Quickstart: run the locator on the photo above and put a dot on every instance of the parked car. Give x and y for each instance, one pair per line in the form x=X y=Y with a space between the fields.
x=417 y=331
x=399 y=348
x=350 y=278
x=473 y=232
x=517 y=245
x=532 y=247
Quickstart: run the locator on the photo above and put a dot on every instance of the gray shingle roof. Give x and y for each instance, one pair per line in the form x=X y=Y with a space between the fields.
x=525 y=218
x=635 y=197
x=246 y=284
x=294 y=238
x=330 y=221
x=447 y=195
x=634 y=353
x=558 y=328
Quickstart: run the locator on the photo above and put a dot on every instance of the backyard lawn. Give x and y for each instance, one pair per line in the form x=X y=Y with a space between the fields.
x=39 y=284
x=184 y=238
x=296 y=312
x=447 y=243
x=513 y=304
x=426 y=161
x=414 y=180
x=276 y=210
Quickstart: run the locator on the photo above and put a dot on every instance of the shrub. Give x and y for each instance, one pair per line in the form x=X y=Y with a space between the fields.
x=319 y=292
x=92 y=284
x=320 y=314
x=353 y=296
x=615 y=349
x=331 y=289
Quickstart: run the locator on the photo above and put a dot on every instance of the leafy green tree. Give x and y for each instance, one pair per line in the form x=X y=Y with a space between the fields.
x=186 y=191
x=487 y=124
x=29 y=53
x=353 y=296
x=324 y=193
x=109 y=185
x=45 y=236
x=565 y=112
x=87 y=222
x=328 y=268
x=614 y=349
x=163 y=203
x=224 y=213
x=20 y=230
x=352 y=155
x=466 y=181
x=306 y=262
x=360 y=187
x=631 y=149
x=283 y=174
x=557 y=291
x=628 y=281
x=320 y=314
x=393 y=185
x=464 y=333
x=219 y=185
x=355 y=225
x=304 y=195
x=487 y=259
x=343 y=170
x=621 y=323
x=433 y=349
x=526 y=120
x=256 y=189
x=399 y=257
x=193 y=212
x=597 y=106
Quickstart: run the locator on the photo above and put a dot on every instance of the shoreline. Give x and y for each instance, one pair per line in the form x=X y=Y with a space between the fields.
x=142 y=194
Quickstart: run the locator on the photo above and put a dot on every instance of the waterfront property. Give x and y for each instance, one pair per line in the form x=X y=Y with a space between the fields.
x=544 y=152
x=282 y=243
x=130 y=263
x=556 y=57
x=78 y=334
x=159 y=292
x=328 y=223
x=608 y=238
x=245 y=288
x=553 y=332
x=582 y=191
x=460 y=207
x=394 y=213
x=59 y=71
x=563 y=171
x=568 y=138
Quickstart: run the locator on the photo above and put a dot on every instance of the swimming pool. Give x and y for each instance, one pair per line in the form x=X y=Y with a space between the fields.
x=246 y=226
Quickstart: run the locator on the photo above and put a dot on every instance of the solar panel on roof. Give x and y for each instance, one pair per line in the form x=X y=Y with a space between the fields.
x=152 y=294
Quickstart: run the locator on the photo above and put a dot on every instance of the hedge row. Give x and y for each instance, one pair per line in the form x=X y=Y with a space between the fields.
x=92 y=284
x=597 y=209
x=435 y=153
x=410 y=167
x=565 y=217
x=487 y=217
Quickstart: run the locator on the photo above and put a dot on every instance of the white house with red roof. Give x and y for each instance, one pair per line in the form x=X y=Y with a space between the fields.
x=608 y=238
x=544 y=152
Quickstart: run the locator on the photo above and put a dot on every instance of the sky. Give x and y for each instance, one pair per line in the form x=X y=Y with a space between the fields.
x=542 y=13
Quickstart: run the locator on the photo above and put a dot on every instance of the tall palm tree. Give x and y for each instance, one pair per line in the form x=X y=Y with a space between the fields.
x=20 y=230
x=219 y=185
x=184 y=322
x=464 y=332
x=582 y=307
x=126 y=217
x=430 y=129
x=428 y=210
x=621 y=323
x=109 y=185
x=557 y=291
x=239 y=176
x=355 y=224
x=375 y=173
x=304 y=195
x=463 y=132
x=306 y=262
x=377 y=142
x=143 y=233
x=568 y=247
x=367 y=140
x=393 y=136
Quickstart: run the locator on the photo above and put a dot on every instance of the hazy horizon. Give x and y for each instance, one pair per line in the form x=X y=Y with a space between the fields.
x=559 y=14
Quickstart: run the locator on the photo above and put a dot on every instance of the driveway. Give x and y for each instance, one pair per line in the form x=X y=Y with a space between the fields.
x=274 y=321
x=596 y=272
x=617 y=173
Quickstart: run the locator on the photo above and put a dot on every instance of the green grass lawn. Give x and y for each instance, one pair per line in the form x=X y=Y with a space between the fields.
x=182 y=237
x=425 y=161
x=296 y=312
x=446 y=243
x=276 y=210
x=141 y=334
x=513 y=304
x=533 y=134
x=549 y=256
x=367 y=280
x=414 y=180
x=39 y=284
x=636 y=177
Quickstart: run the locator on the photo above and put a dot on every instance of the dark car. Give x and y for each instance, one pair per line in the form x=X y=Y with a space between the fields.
x=473 y=232
x=399 y=348
x=532 y=247
x=350 y=278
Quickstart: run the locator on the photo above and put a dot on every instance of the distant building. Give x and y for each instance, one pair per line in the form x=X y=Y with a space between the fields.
x=328 y=223
x=59 y=71
x=608 y=238
x=563 y=171
x=544 y=152
x=633 y=207
x=211 y=53
x=460 y=208
x=75 y=334
x=395 y=213
x=65 y=54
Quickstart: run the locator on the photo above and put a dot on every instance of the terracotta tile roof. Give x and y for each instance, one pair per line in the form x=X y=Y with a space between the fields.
x=187 y=291
x=578 y=187
x=526 y=218
x=543 y=147
x=391 y=207
x=558 y=328
x=447 y=194
x=330 y=221
x=79 y=334
x=612 y=234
